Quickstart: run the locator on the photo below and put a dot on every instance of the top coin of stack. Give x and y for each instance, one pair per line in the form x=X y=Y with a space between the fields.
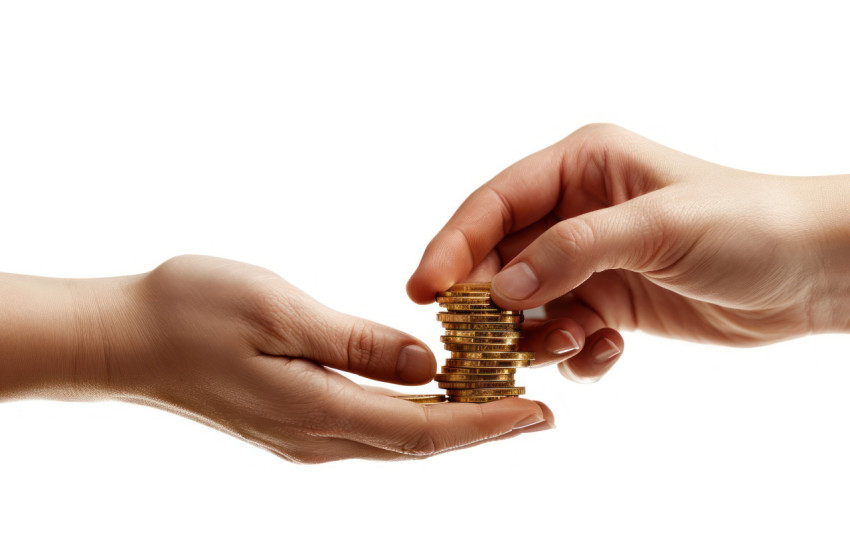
x=483 y=340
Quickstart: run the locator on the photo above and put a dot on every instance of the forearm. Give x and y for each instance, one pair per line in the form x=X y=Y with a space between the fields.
x=56 y=336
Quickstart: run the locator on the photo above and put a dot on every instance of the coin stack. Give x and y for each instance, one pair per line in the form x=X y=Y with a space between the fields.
x=483 y=340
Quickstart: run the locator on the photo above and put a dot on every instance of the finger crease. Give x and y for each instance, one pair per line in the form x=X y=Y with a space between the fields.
x=473 y=261
x=507 y=212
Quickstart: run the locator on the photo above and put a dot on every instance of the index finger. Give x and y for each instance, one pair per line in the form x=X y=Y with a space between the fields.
x=514 y=199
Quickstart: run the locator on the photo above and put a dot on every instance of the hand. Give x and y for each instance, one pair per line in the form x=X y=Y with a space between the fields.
x=609 y=231
x=237 y=348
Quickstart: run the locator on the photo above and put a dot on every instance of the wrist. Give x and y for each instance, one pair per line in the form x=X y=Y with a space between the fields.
x=831 y=299
x=107 y=320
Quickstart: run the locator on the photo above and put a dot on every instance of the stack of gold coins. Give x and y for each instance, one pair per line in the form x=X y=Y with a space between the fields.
x=483 y=340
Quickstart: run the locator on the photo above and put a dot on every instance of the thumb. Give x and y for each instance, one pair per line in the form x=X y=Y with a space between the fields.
x=352 y=344
x=631 y=236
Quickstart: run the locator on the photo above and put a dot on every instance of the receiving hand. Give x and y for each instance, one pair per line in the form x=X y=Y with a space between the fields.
x=236 y=347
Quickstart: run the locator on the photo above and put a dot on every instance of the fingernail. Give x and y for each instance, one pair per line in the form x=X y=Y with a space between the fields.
x=529 y=421
x=567 y=371
x=517 y=282
x=542 y=426
x=604 y=350
x=414 y=364
x=560 y=342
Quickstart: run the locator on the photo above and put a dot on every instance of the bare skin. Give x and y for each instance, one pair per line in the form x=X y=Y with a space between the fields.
x=238 y=348
x=610 y=231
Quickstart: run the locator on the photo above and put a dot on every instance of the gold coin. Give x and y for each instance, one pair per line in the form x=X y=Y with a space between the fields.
x=478 y=309
x=484 y=340
x=474 y=378
x=471 y=318
x=466 y=348
x=464 y=345
x=475 y=308
x=501 y=355
x=423 y=399
x=477 y=371
x=485 y=335
x=467 y=287
x=481 y=326
x=473 y=385
x=461 y=294
x=490 y=392
x=465 y=298
x=483 y=363
x=480 y=399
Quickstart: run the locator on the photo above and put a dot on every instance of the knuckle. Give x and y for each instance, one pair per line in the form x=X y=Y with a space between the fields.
x=595 y=145
x=422 y=441
x=573 y=237
x=174 y=263
x=265 y=298
x=306 y=450
x=271 y=309
x=656 y=225
x=505 y=208
x=596 y=138
x=301 y=456
x=176 y=269
x=363 y=347
x=423 y=444
x=652 y=222
x=599 y=130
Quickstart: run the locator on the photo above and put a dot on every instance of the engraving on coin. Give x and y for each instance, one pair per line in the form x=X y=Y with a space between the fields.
x=481 y=341
x=480 y=399
x=481 y=334
x=450 y=386
x=448 y=317
x=422 y=399
x=471 y=308
x=461 y=289
x=479 y=326
x=480 y=347
x=490 y=392
x=485 y=363
x=460 y=298
x=474 y=378
x=486 y=370
x=500 y=355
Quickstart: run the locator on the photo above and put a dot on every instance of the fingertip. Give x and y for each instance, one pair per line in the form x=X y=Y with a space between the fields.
x=427 y=280
x=566 y=370
x=514 y=284
x=440 y=265
x=369 y=349
x=416 y=291
x=548 y=415
x=416 y=365
x=541 y=419
x=554 y=341
x=605 y=349
x=602 y=349
x=561 y=342
x=513 y=413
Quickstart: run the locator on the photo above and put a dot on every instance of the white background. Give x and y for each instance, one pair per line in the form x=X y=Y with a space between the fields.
x=329 y=141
